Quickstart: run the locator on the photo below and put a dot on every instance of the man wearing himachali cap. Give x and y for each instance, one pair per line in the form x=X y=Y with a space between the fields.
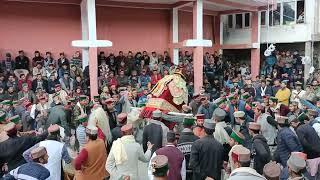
x=125 y=154
x=35 y=168
x=185 y=142
x=155 y=132
x=56 y=151
x=177 y=163
x=206 y=157
x=91 y=161
x=260 y=151
x=241 y=157
x=236 y=140
x=13 y=156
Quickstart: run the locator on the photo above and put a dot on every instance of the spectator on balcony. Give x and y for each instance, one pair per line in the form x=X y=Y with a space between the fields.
x=23 y=79
x=48 y=60
x=63 y=60
x=155 y=77
x=8 y=65
x=76 y=60
x=12 y=81
x=120 y=58
x=133 y=79
x=122 y=79
x=39 y=82
x=144 y=79
x=38 y=69
x=27 y=93
x=22 y=61
x=112 y=63
x=51 y=70
x=37 y=59
x=153 y=60
x=146 y=57
x=102 y=58
x=75 y=71
x=66 y=83
x=63 y=69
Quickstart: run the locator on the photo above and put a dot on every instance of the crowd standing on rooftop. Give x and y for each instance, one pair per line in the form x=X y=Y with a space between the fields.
x=237 y=127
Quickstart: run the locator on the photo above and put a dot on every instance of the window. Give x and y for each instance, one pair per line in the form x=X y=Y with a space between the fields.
x=230 y=21
x=300 y=11
x=246 y=19
x=289 y=12
x=274 y=16
x=238 y=21
x=263 y=18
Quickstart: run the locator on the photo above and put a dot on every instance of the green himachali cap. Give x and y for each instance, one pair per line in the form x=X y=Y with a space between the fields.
x=189 y=121
x=238 y=137
x=220 y=101
x=302 y=117
x=2 y=116
x=274 y=99
x=6 y=102
x=82 y=97
x=246 y=95
x=15 y=119
x=231 y=97
x=82 y=118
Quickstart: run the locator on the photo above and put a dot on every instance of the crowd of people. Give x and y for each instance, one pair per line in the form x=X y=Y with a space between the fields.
x=236 y=127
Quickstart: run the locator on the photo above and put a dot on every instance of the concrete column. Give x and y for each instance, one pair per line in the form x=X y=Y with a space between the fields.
x=198 y=51
x=89 y=32
x=93 y=71
x=85 y=32
x=255 y=52
x=175 y=35
x=308 y=64
x=216 y=33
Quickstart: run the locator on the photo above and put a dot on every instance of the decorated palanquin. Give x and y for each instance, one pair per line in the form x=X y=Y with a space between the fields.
x=168 y=95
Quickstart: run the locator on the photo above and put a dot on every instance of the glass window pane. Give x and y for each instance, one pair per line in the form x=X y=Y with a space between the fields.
x=246 y=19
x=274 y=16
x=238 y=20
x=230 y=21
x=289 y=11
x=300 y=11
x=263 y=18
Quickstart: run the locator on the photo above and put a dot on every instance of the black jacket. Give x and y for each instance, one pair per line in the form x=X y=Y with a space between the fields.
x=309 y=140
x=44 y=85
x=185 y=143
x=22 y=63
x=152 y=133
x=206 y=158
x=12 y=149
x=116 y=132
x=260 y=152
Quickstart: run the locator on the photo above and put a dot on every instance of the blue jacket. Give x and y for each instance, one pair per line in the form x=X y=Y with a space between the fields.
x=207 y=111
x=268 y=91
x=144 y=80
x=271 y=60
x=287 y=142
x=310 y=105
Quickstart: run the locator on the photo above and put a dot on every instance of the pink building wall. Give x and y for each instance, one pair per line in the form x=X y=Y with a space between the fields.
x=44 y=27
x=34 y=26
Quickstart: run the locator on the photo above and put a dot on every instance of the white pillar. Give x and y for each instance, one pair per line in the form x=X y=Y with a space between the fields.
x=198 y=20
x=88 y=26
x=175 y=34
x=198 y=50
x=307 y=65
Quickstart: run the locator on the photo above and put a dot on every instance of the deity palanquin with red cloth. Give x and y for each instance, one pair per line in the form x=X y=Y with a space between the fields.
x=168 y=95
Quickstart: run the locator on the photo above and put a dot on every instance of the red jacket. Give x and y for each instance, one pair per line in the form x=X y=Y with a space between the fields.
x=20 y=82
x=155 y=79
